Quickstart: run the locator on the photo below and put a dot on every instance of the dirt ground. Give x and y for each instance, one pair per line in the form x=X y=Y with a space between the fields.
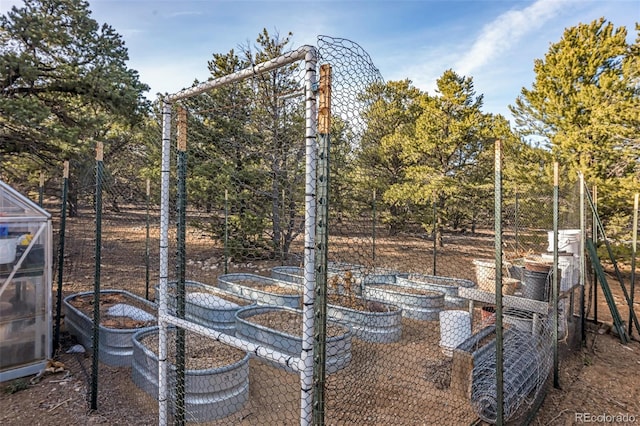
x=598 y=382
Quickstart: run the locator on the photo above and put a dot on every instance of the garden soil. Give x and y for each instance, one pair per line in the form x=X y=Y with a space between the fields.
x=598 y=381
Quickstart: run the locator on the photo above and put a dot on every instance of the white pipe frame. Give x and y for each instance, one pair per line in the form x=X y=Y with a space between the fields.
x=304 y=363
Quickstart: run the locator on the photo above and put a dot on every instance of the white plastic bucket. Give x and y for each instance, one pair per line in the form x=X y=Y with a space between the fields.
x=455 y=328
x=567 y=267
x=8 y=250
x=568 y=241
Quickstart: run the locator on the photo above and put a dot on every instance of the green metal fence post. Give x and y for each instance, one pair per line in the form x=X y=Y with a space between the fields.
x=180 y=414
x=63 y=223
x=322 y=238
x=583 y=235
x=41 y=189
x=594 y=238
x=147 y=262
x=226 y=232
x=435 y=234
x=96 y=283
x=634 y=244
x=374 y=227
x=554 y=284
x=498 y=260
x=516 y=224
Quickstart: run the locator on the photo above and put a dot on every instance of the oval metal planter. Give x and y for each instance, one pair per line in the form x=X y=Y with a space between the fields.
x=338 y=348
x=290 y=274
x=205 y=305
x=425 y=305
x=232 y=283
x=370 y=326
x=449 y=286
x=211 y=393
x=115 y=346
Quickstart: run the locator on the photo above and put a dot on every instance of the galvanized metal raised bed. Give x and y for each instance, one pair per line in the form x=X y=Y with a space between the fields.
x=290 y=274
x=449 y=286
x=208 y=305
x=359 y=275
x=211 y=393
x=291 y=296
x=381 y=326
x=417 y=304
x=338 y=347
x=115 y=344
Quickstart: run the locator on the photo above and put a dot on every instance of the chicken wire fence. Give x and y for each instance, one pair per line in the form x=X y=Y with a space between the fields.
x=267 y=222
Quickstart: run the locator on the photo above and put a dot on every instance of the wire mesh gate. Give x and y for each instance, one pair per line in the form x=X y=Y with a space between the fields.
x=403 y=344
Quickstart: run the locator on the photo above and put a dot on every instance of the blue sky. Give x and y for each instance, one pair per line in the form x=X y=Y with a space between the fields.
x=493 y=41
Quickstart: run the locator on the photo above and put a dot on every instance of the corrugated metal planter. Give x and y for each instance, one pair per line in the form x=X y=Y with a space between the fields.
x=211 y=393
x=449 y=286
x=415 y=303
x=115 y=344
x=208 y=305
x=381 y=323
x=256 y=287
x=338 y=345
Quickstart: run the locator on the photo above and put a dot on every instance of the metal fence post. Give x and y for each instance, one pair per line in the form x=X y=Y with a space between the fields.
x=96 y=283
x=498 y=278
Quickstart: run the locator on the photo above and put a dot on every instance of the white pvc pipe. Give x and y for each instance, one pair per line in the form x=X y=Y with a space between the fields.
x=305 y=363
x=278 y=62
x=306 y=375
x=163 y=411
x=261 y=351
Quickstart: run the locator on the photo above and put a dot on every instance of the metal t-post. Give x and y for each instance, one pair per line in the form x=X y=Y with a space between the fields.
x=498 y=261
x=63 y=223
x=322 y=235
x=96 y=283
x=147 y=262
x=41 y=189
x=634 y=244
x=374 y=227
x=181 y=265
x=554 y=285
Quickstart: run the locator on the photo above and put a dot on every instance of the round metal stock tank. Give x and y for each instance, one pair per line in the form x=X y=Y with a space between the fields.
x=115 y=344
x=383 y=326
x=211 y=393
x=291 y=296
x=338 y=347
x=446 y=285
x=207 y=305
x=291 y=274
x=416 y=304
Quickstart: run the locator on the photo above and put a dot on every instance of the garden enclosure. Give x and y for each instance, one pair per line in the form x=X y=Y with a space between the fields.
x=277 y=221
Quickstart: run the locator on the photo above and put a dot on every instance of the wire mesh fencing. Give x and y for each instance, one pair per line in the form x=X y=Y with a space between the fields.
x=266 y=275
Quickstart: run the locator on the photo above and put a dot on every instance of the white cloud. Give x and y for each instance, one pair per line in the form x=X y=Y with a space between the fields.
x=506 y=31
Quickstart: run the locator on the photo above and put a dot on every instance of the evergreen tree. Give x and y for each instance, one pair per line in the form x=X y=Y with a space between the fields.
x=584 y=105
x=64 y=85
